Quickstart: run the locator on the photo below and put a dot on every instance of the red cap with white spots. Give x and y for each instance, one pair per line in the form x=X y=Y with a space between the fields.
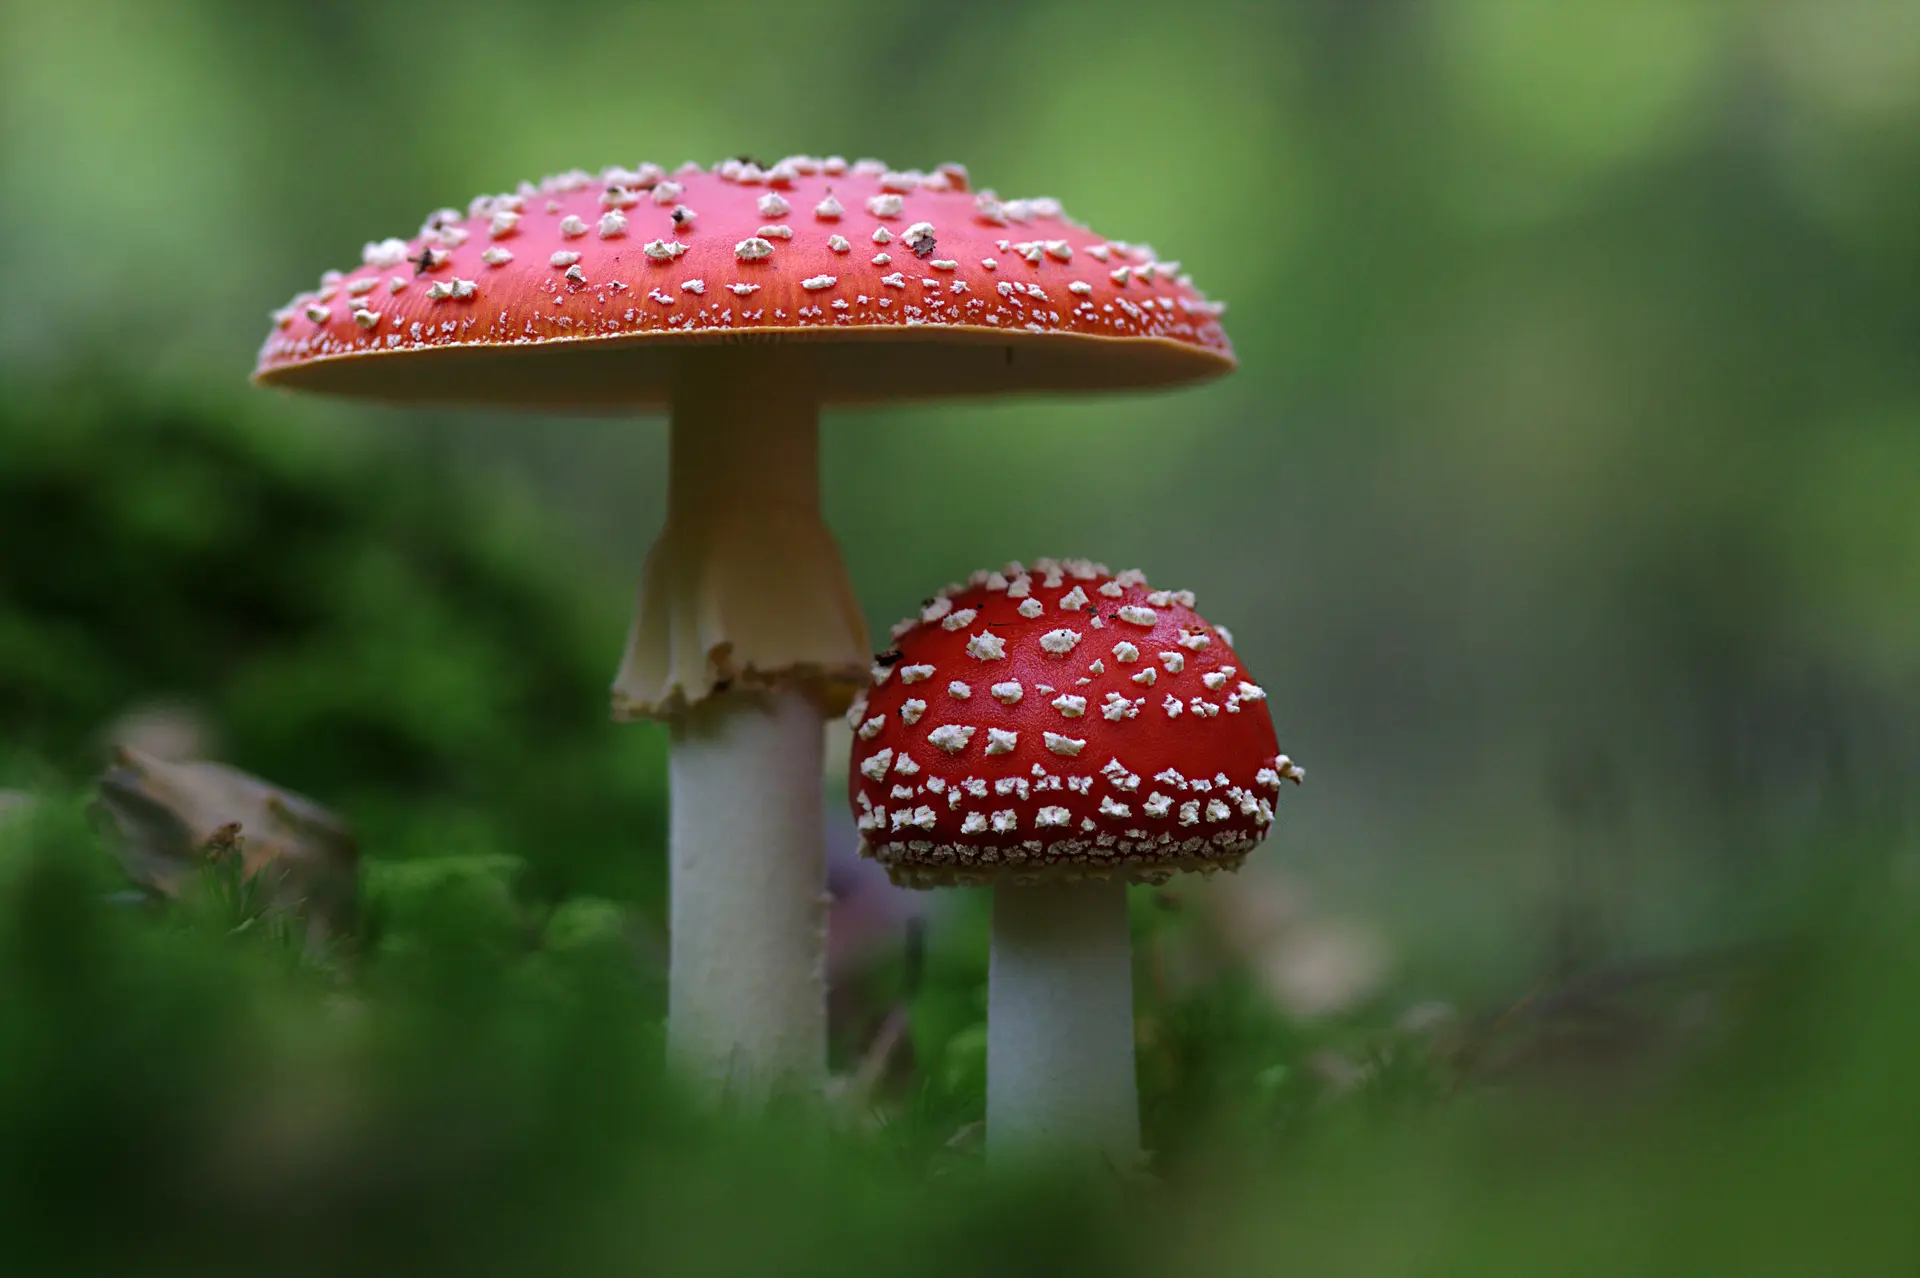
x=914 y=284
x=1061 y=721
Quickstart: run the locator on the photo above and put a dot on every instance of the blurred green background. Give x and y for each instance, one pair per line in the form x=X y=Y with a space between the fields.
x=1567 y=499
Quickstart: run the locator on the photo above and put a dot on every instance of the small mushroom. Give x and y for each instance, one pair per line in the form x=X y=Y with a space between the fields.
x=1058 y=800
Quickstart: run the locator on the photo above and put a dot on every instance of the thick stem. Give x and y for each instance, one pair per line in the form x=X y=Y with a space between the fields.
x=746 y=636
x=744 y=588
x=1060 y=1072
x=747 y=989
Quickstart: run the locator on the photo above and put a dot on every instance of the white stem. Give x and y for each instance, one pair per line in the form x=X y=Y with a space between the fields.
x=747 y=989
x=1060 y=1072
x=747 y=636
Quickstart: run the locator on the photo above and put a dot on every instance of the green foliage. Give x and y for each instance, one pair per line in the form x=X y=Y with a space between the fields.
x=476 y=1095
x=426 y=656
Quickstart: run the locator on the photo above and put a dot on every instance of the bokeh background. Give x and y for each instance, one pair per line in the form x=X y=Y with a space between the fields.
x=1567 y=500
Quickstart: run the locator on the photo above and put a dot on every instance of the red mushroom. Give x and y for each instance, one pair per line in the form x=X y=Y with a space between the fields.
x=1058 y=732
x=742 y=299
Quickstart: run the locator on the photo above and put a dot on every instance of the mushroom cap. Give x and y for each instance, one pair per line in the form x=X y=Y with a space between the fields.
x=1061 y=721
x=579 y=291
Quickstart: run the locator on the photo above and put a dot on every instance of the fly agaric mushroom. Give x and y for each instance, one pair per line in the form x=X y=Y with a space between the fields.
x=743 y=299
x=1057 y=733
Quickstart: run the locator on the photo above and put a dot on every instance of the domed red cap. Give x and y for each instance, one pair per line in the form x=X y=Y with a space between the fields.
x=1061 y=721
x=967 y=292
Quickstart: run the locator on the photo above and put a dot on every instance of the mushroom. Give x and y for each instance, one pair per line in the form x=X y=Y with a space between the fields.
x=742 y=316
x=1058 y=732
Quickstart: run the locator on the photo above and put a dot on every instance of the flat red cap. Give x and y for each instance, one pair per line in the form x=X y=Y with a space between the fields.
x=579 y=289
x=1061 y=721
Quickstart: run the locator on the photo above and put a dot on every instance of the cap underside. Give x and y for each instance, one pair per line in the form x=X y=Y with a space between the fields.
x=850 y=367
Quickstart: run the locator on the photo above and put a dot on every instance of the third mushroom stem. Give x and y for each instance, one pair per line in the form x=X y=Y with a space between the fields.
x=747 y=636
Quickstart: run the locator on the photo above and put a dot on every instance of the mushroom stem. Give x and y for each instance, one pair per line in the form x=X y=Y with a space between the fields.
x=746 y=995
x=744 y=588
x=747 y=636
x=1060 y=1069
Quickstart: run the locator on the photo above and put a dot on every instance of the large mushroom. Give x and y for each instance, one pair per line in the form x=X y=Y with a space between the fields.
x=1057 y=733
x=743 y=299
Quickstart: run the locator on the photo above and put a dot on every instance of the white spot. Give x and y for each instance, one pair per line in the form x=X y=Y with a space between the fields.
x=563 y=258
x=741 y=290
x=1064 y=745
x=1030 y=607
x=397 y=283
x=895 y=280
x=914 y=674
x=959 y=620
x=577 y=275
x=1074 y=600
x=320 y=314
x=974 y=785
x=959 y=690
x=986 y=646
x=871 y=728
x=613 y=223
x=1125 y=652
x=875 y=765
x=696 y=287
x=1098 y=667
x=1109 y=808
x=951 y=737
x=1252 y=692
x=1174 y=662
x=1006 y=820
x=1201 y=706
x=1172 y=706
x=882 y=259
x=1137 y=615
x=383 y=254
x=1145 y=678
x=886 y=205
x=911 y=711
x=366 y=318
x=1008 y=693
x=919 y=238
x=494 y=256
x=1052 y=817
x=1218 y=811
x=814 y=283
x=1060 y=642
x=1214 y=680
x=1081 y=287
x=666 y=192
x=773 y=205
x=1162 y=598
x=752 y=249
x=942 y=264
x=1156 y=804
x=1196 y=642
x=664 y=250
x=1119 y=707
x=905 y=766
x=839 y=243
x=881 y=235
x=974 y=823
x=1021 y=585
x=775 y=232
x=1120 y=275
x=572 y=227
x=1070 y=706
x=1059 y=250
x=829 y=209
x=1000 y=741
x=1190 y=812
